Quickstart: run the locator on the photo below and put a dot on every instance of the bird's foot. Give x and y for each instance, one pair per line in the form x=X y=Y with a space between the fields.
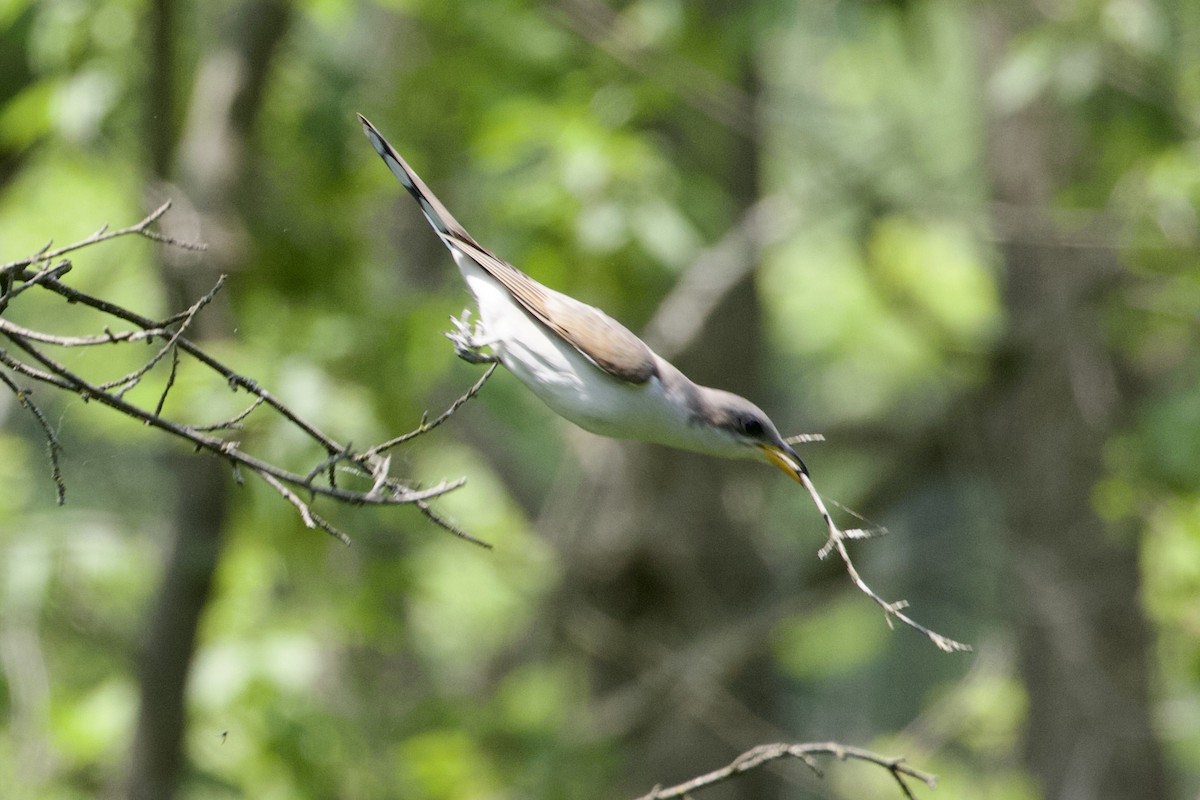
x=471 y=343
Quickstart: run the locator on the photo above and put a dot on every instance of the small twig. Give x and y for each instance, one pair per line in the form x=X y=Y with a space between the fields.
x=426 y=427
x=45 y=274
x=103 y=235
x=309 y=517
x=169 y=383
x=763 y=754
x=892 y=610
x=449 y=526
x=133 y=378
x=108 y=337
x=330 y=461
x=863 y=533
x=233 y=423
x=52 y=443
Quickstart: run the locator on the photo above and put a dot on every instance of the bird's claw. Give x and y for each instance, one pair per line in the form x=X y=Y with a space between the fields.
x=470 y=341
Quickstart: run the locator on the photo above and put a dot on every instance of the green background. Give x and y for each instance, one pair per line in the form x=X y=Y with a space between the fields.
x=957 y=238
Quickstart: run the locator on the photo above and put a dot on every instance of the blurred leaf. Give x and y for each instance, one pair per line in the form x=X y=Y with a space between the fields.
x=538 y=697
x=1171 y=430
x=833 y=641
x=445 y=765
x=939 y=269
x=26 y=117
x=98 y=724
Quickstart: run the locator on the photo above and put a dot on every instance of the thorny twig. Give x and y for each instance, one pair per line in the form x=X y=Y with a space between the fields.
x=37 y=364
x=765 y=753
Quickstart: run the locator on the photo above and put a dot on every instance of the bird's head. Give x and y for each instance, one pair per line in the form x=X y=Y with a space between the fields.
x=751 y=432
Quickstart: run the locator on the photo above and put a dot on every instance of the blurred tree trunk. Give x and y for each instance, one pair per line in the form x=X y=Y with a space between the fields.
x=1054 y=401
x=211 y=170
x=663 y=573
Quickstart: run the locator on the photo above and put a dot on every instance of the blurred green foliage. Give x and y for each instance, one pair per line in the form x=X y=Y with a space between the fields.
x=412 y=665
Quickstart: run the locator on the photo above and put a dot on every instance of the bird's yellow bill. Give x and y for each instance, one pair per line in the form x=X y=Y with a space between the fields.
x=786 y=461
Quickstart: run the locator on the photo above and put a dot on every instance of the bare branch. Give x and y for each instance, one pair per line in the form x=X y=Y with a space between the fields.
x=425 y=427
x=234 y=422
x=132 y=379
x=46 y=273
x=22 y=368
x=108 y=337
x=62 y=377
x=763 y=754
x=52 y=444
x=449 y=526
x=103 y=235
x=310 y=519
x=39 y=365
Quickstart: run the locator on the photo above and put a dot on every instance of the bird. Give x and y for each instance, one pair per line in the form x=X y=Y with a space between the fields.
x=582 y=363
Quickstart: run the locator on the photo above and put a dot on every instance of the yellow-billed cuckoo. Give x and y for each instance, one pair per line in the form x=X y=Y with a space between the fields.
x=582 y=363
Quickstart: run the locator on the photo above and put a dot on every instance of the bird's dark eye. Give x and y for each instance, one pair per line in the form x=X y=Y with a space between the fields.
x=753 y=427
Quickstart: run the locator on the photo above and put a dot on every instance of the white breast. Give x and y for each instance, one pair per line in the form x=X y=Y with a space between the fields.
x=573 y=386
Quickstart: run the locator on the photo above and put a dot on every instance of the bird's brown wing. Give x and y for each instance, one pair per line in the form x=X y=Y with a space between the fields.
x=605 y=342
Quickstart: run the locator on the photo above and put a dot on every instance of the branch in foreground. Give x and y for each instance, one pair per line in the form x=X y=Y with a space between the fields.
x=371 y=464
x=766 y=753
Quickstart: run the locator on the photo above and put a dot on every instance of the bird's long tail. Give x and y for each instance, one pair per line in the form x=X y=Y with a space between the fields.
x=439 y=217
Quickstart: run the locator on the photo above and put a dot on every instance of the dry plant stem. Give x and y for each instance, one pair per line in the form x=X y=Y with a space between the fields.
x=766 y=753
x=16 y=277
x=892 y=610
